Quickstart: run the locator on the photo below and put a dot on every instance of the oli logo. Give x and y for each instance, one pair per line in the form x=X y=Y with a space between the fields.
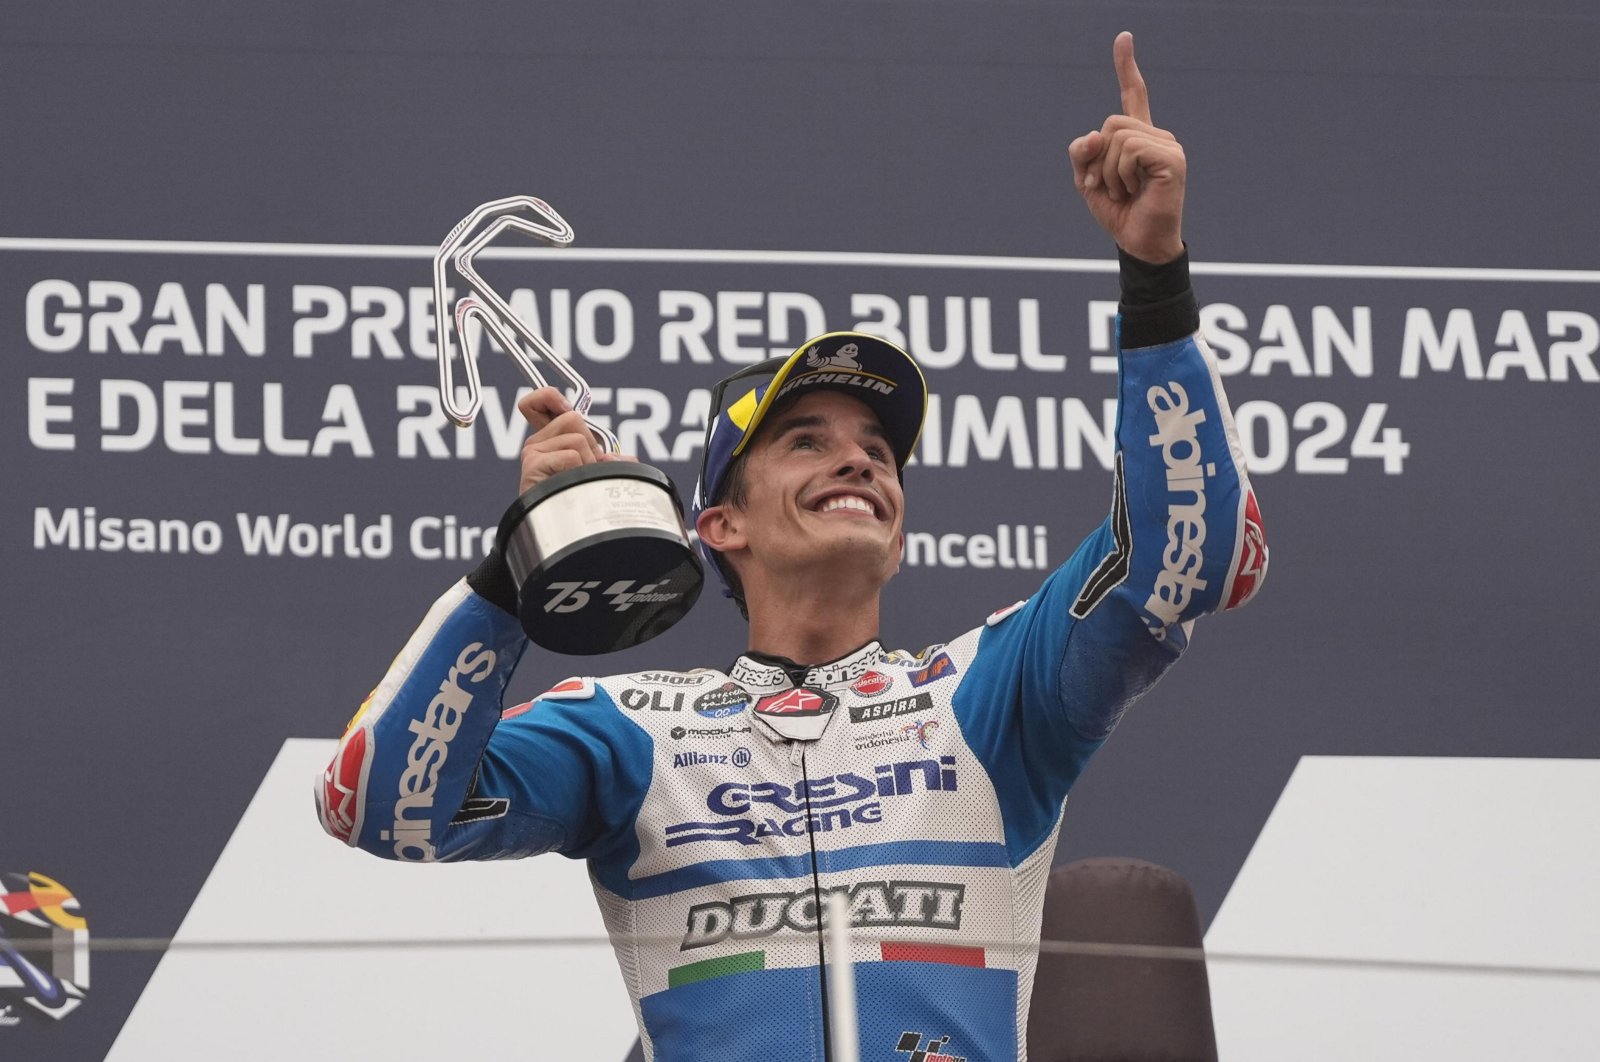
x=44 y=947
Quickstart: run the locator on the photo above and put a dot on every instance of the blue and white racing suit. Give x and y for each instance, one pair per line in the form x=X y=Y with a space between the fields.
x=932 y=798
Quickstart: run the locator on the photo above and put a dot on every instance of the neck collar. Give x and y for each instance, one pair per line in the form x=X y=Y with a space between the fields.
x=764 y=672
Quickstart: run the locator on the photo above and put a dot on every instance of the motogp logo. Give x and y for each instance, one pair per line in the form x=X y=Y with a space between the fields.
x=911 y=1043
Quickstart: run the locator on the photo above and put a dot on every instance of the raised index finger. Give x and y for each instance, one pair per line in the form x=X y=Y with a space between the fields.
x=1135 y=97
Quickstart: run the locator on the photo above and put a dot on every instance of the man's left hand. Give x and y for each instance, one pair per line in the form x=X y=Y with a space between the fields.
x=1130 y=173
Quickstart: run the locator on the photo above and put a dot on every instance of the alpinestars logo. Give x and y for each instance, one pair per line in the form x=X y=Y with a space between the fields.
x=435 y=730
x=911 y=1043
x=1178 y=437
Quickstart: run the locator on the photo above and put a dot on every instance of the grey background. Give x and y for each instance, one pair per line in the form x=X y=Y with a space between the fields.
x=1445 y=611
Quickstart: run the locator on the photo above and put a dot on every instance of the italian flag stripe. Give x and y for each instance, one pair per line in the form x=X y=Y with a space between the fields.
x=721 y=967
x=906 y=951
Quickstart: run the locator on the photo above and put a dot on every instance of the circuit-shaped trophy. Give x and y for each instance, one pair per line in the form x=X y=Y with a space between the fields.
x=599 y=552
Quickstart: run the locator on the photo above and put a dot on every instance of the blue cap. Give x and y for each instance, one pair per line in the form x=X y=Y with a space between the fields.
x=863 y=366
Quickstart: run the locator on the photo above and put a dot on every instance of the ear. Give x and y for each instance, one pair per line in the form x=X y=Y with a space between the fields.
x=721 y=528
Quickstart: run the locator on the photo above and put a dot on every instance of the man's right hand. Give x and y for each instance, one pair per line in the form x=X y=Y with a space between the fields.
x=561 y=438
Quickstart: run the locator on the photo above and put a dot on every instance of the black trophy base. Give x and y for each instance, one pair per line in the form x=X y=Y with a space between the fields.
x=600 y=558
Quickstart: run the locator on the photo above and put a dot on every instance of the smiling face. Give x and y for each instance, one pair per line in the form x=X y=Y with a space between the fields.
x=821 y=497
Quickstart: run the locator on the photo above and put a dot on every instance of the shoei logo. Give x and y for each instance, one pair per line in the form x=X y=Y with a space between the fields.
x=846 y=357
x=44 y=948
x=911 y=1043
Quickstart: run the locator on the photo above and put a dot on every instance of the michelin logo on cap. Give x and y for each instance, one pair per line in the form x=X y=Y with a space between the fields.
x=842 y=368
x=846 y=357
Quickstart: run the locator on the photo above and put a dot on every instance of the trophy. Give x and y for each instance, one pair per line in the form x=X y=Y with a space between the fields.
x=599 y=553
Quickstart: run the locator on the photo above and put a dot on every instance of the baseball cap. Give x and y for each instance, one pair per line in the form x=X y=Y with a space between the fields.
x=863 y=366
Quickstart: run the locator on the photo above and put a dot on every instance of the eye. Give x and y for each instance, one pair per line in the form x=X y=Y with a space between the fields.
x=880 y=454
x=802 y=442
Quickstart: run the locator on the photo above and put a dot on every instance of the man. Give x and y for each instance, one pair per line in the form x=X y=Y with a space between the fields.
x=717 y=808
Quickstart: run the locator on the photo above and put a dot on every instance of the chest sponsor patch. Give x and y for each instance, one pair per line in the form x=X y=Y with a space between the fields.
x=747 y=812
x=941 y=666
x=797 y=703
x=869 y=713
x=923 y=904
x=730 y=698
x=872 y=683
x=797 y=715
x=637 y=700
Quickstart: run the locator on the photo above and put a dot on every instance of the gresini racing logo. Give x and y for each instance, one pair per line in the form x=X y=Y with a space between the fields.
x=435 y=730
x=923 y=904
x=818 y=805
x=1177 y=436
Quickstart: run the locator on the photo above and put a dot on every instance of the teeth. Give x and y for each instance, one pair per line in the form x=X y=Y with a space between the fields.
x=845 y=501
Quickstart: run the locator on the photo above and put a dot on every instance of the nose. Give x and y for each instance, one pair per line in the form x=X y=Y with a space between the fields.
x=855 y=461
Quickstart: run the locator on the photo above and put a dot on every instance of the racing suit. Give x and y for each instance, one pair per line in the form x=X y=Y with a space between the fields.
x=930 y=791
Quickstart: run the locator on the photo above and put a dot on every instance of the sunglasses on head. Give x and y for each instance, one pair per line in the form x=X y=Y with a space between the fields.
x=760 y=368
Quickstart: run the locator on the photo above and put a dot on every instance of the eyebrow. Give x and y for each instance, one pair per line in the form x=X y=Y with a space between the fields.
x=815 y=420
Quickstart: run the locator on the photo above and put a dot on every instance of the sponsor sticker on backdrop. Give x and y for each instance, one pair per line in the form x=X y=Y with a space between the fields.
x=44 y=949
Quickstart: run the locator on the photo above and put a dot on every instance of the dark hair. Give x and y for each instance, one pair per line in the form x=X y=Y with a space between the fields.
x=734 y=492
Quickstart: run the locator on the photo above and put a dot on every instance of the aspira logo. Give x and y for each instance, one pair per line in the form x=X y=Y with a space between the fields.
x=435 y=730
x=923 y=904
x=1179 y=439
x=815 y=805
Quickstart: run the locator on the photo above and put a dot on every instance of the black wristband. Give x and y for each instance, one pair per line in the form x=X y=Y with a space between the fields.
x=1158 y=305
x=491 y=580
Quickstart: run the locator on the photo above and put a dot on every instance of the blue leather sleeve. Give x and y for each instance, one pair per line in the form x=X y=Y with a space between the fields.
x=1051 y=680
